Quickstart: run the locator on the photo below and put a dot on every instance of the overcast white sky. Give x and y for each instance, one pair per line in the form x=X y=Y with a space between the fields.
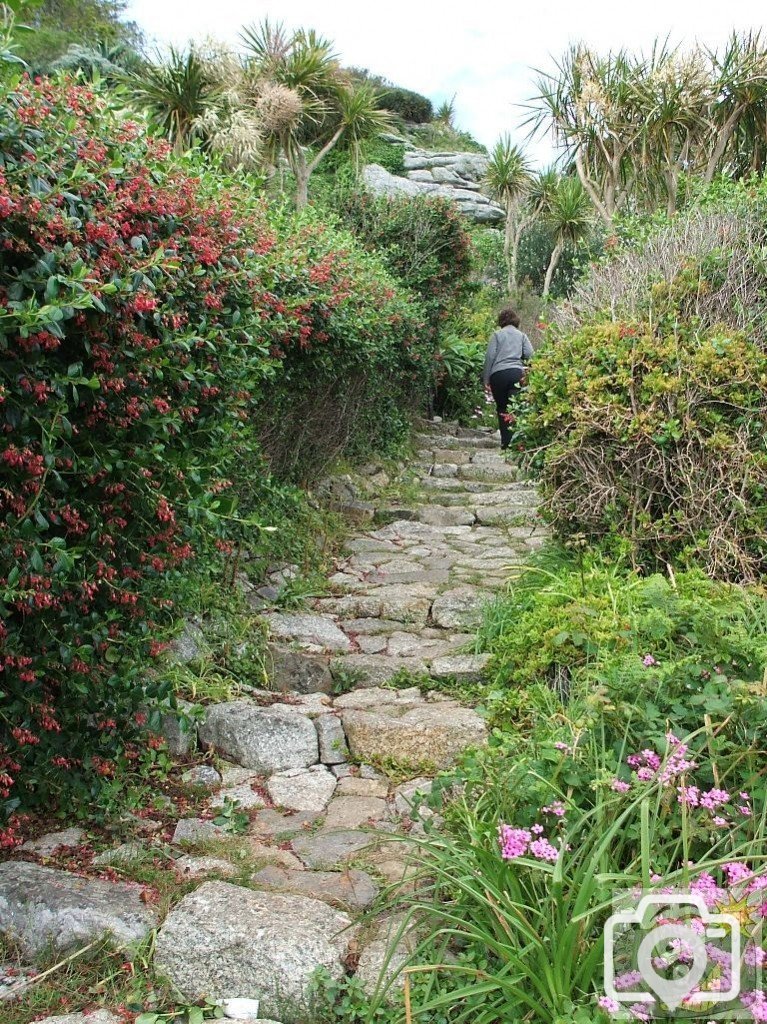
x=481 y=50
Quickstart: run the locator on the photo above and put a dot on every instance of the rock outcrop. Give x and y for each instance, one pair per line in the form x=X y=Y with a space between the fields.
x=456 y=176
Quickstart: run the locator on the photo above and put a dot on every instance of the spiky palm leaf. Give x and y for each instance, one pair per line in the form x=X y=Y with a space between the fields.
x=176 y=92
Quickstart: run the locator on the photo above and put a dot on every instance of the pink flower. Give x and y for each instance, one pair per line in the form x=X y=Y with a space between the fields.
x=514 y=842
x=648 y=661
x=619 y=786
x=608 y=1005
x=543 y=850
x=737 y=872
x=557 y=809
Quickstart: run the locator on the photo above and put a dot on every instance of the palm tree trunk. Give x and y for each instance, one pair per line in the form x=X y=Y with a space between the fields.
x=509 y=254
x=555 y=255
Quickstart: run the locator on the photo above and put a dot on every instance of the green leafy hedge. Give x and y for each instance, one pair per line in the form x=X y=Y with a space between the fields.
x=149 y=316
x=652 y=433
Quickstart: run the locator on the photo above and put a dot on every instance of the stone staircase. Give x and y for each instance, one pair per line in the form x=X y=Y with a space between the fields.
x=327 y=768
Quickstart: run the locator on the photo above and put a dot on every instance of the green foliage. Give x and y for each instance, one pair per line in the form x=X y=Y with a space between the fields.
x=535 y=248
x=581 y=628
x=438 y=136
x=59 y=24
x=458 y=389
x=651 y=432
x=526 y=933
x=410 y=106
x=422 y=241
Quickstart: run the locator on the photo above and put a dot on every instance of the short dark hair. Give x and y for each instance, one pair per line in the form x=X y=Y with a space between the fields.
x=508 y=318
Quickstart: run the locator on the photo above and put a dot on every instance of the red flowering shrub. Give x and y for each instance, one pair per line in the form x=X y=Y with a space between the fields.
x=142 y=310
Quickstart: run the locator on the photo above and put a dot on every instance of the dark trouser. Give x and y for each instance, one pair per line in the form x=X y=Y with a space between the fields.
x=503 y=385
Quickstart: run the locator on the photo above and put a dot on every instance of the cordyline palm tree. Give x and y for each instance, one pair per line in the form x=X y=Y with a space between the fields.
x=632 y=125
x=509 y=179
x=591 y=105
x=177 y=92
x=569 y=216
x=311 y=102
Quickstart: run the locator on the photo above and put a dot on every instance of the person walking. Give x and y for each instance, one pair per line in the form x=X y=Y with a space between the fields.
x=507 y=353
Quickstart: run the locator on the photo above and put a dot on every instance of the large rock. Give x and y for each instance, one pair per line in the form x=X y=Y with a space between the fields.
x=314 y=632
x=226 y=942
x=299 y=671
x=42 y=908
x=450 y=176
x=266 y=739
x=427 y=736
x=302 y=789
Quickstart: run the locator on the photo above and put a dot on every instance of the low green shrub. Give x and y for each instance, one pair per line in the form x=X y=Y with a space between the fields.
x=651 y=432
x=627 y=654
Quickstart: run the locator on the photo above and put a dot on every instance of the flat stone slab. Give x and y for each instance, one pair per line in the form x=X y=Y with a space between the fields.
x=316 y=631
x=441 y=515
x=297 y=670
x=196 y=830
x=373 y=697
x=266 y=739
x=460 y=608
x=465 y=668
x=373 y=670
x=199 y=867
x=303 y=789
x=225 y=942
x=326 y=850
x=352 y=785
x=352 y=889
x=427 y=736
x=487 y=472
x=48 y=844
x=273 y=824
x=244 y=795
x=351 y=812
x=43 y=908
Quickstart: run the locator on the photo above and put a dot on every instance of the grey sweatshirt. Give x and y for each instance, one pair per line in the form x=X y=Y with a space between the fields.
x=507 y=348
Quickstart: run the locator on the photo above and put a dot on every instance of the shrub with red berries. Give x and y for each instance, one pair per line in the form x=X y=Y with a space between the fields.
x=142 y=311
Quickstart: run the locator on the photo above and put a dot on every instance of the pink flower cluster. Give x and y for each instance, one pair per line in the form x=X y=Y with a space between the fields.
x=649 y=765
x=516 y=842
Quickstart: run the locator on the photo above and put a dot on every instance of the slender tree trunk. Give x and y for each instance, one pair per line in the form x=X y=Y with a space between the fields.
x=303 y=170
x=722 y=141
x=555 y=255
x=593 y=194
x=509 y=254
x=301 y=173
